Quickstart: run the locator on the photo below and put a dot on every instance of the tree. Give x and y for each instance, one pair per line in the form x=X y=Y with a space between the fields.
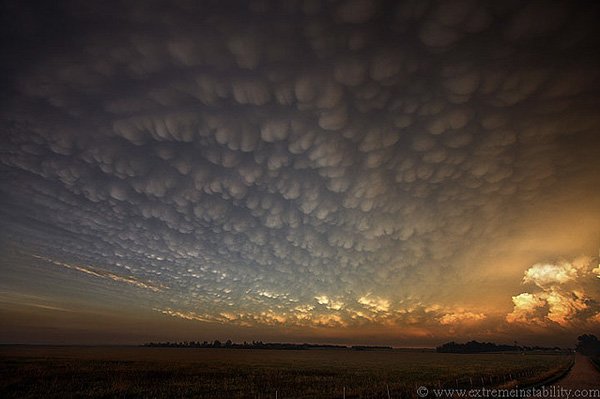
x=588 y=344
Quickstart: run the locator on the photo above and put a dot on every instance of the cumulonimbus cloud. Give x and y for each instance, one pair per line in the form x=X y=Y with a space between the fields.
x=564 y=294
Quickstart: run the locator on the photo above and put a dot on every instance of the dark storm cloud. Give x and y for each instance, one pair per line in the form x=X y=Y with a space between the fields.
x=292 y=162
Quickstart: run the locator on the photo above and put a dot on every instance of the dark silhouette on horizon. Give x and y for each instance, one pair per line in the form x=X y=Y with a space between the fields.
x=589 y=345
x=258 y=345
x=486 y=347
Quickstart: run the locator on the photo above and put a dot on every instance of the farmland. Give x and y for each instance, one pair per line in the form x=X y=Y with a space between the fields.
x=132 y=372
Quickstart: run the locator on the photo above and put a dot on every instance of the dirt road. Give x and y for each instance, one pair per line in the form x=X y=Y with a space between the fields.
x=583 y=381
x=583 y=375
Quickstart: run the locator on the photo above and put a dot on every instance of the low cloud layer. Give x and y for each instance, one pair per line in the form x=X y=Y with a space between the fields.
x=349 y=163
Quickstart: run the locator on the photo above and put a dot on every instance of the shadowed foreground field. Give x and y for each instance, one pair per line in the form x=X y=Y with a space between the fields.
x=106 y=372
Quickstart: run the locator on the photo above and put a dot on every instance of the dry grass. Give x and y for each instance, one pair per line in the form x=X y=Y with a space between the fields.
x=68 y=372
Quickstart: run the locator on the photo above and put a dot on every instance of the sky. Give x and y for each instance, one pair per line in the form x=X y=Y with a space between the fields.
x=359 y=172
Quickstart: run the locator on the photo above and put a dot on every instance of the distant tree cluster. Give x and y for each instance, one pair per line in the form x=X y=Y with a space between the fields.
x=482 y=347
x=588 y=344
x=245 y=345
x=371 y=348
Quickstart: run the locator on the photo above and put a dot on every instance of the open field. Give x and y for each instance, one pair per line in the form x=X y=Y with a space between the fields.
x=131 y=372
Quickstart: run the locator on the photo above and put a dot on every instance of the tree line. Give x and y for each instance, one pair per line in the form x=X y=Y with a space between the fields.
x=482 y=347
x=257 y=345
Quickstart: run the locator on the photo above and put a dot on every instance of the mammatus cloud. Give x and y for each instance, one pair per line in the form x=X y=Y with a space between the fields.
x=565 y=294
x=305 y=163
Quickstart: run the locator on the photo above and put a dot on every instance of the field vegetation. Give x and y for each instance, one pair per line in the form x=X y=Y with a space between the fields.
x=142 y=372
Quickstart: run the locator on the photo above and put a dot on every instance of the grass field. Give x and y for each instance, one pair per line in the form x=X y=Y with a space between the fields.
x=129 y=372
